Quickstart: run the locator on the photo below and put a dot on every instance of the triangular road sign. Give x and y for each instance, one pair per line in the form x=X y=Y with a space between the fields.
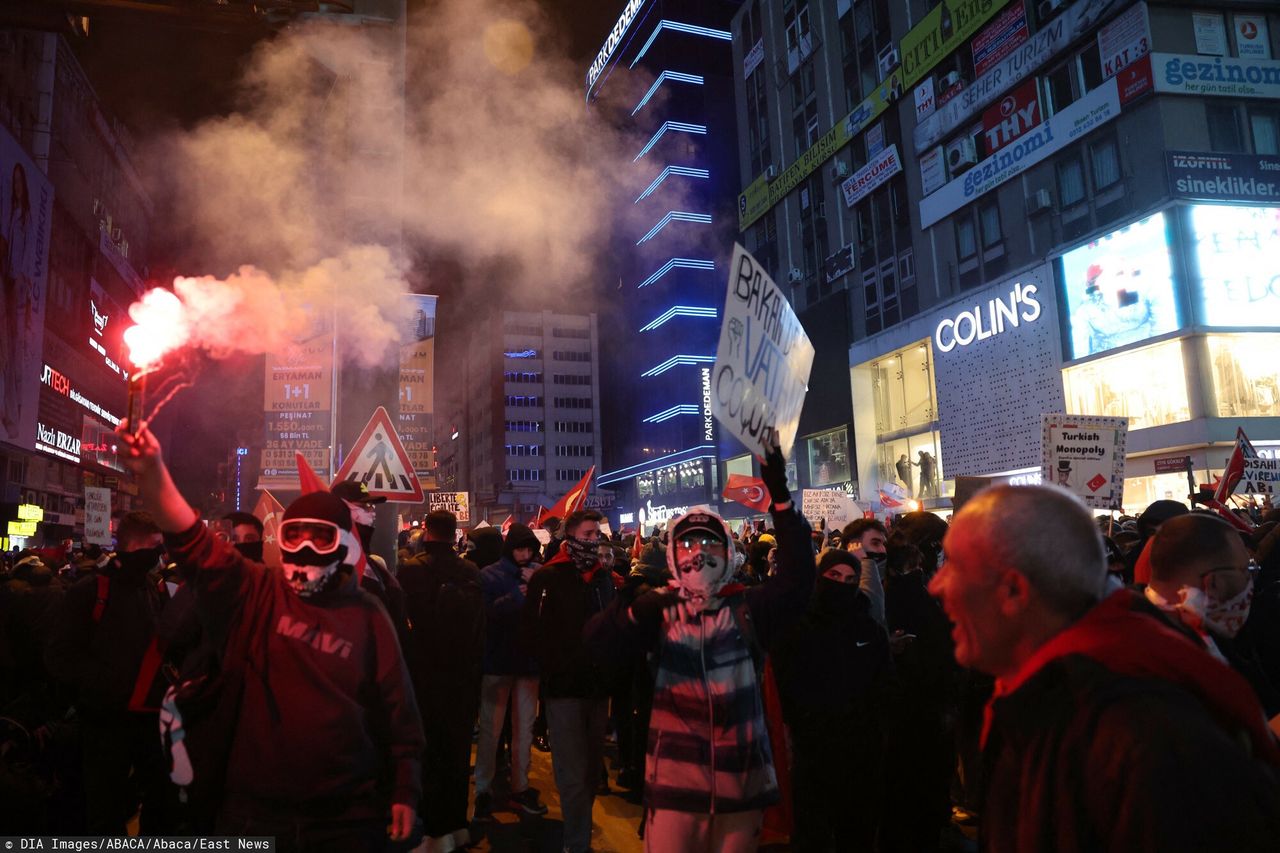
x=378 y=459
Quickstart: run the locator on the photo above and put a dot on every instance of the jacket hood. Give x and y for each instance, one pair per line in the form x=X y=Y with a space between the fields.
x=519 y=536
x=1132 y=643
x=488 y=542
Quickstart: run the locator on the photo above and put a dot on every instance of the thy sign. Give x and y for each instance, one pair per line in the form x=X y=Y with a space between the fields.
x=1014 y=115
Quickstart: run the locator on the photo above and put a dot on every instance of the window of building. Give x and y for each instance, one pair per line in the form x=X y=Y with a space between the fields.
x=1246 y=375
x=1104 y=156
x=829 y=458
x=523 y=400
x=521 y=376
x=989 y=224
x=524 y=449
x=1225 y=132
x=573 y=402
x=569 y=475
x=575 y=450
x=739 y=465
x=795 y=20
x=1265 y=127
x=1147 y=385
x=966 y=236
x=574 y=426
x=570 y=379
x=581 y=334
x=1071 y=189
x=514 y=327
x=524 y=475
x=1069 y=81
x=524 y=426
x=570 y=355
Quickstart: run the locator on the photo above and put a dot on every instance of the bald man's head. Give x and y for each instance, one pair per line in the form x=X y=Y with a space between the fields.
x=1186 y=547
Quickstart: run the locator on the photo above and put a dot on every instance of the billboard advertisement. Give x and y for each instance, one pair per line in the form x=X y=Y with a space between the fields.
x=298 y=410
x=1119 y=288
x=417 y=384
x=26 y=211
x=1188 y=74
x=1239 y=280
x=1224 y=177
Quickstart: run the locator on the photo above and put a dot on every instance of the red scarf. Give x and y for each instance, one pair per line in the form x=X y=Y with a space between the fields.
x=1136 y=644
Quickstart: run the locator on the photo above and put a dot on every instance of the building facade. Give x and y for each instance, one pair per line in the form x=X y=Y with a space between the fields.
x=663 y=74
x=532 y=416
x=1032 y=207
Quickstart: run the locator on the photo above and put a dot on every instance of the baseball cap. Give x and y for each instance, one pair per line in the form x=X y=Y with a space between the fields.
x=356 y=492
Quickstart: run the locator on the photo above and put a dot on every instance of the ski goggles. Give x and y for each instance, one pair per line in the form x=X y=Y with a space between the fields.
x=322 y=536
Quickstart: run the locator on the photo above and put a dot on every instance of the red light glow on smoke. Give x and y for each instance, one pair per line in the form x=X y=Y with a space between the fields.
x=161 y=326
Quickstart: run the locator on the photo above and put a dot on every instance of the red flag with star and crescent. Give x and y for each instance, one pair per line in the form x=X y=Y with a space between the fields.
x=748 y=491
x=573 y=500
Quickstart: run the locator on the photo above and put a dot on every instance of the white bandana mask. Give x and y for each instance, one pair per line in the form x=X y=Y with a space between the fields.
x=1223 y=617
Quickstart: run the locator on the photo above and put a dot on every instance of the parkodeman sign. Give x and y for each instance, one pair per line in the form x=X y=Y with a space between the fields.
x=1218 y=76
x=612 y=41
x=1085 y=115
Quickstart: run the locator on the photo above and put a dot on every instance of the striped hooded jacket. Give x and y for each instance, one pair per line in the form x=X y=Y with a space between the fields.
x=708 y=749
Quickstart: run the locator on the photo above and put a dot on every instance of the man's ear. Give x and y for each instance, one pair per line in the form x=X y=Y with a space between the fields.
x=1013 y=592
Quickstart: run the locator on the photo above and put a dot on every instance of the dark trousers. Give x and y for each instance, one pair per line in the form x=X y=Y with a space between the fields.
x=446 y=774
x=300 y=829
x=577 y=748
x=837 y=784
x=918 y=778
x=124 y=768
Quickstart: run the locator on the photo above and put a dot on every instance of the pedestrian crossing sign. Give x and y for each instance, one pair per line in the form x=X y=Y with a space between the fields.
x=378 y=459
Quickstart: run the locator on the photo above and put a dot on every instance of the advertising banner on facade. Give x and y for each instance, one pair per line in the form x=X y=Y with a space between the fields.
x=1015 y=114
x=881 y=168
x=1224 y=177
x=1085 y=455
x=925 y=99
x=1119 y=288
x=943 y=29
x=1185 y=74
x=1211 y=33
x=762 y=365
x=833 y=507
x=1048 y=42
x=763 y=193
x=999 y=39
x=26 y=211
x=933 y=171
x=417 y=383
x=1252 y=39
x=1073 y=123
x=298 y=411
x=97 y=516
x=1235 y=250
x=458 y=503
x=1125 y=40
x=753 y=58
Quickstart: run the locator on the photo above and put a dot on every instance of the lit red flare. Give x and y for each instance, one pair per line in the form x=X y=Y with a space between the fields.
x=161 y=326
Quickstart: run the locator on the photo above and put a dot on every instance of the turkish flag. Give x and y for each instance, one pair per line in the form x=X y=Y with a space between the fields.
x=748 y=491
x=573 y=500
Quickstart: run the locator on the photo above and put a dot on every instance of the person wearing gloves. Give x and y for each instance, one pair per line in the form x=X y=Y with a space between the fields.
x=709 y=772
x=328 y=739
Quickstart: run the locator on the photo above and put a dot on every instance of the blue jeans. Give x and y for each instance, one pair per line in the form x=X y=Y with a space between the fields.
x=576 y=728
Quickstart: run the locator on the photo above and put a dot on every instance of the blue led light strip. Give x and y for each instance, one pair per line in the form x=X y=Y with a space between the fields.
x=680 y=311
x=673 y=412
x=675 y=76
x=682 y=127
x=687 y=455
x=678 y=361
x=675 y=216
x=682 y=171
x=677 y=263
x=691 y=29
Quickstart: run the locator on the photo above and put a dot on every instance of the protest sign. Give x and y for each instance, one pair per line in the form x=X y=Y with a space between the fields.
x=1260 y=476
x=458 y=503
x=1085 y=455
x=97 y=516
x=834 y=506
x=762 y=363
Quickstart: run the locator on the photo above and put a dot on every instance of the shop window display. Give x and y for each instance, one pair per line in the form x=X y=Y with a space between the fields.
x=829 y=458
x=903 y=385
x=913 y=462
x=1148 y=386
x=1246 y=375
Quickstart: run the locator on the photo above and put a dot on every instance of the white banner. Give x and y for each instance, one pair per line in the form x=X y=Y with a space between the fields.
x=1043 y=46
x=1084 y=116
x=753 y=58
x=834 y=506
x=1260 y=477
x=762 y=366
x=1185 y=74
x=1125 y=40
x=1085 y=455
x=97 y=516
x=880 y=169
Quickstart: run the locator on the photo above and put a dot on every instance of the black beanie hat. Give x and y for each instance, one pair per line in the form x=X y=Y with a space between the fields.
x=836 y=557
x=321 y=505
x=519 y=536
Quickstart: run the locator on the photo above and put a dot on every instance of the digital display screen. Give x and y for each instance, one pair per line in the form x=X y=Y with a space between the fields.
x=1119 y=288
x=1235 y=247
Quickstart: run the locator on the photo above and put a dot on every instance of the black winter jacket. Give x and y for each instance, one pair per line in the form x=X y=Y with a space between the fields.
x=556 y=610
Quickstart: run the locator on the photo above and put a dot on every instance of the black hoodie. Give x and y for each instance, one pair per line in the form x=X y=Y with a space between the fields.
x=328 y=713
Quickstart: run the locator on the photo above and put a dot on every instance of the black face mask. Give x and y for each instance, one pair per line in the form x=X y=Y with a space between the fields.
x=251 y=550
x=141 y=561
x=833 y=596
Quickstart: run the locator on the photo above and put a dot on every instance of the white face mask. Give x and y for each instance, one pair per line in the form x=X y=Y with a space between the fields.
x=700 y=574
x=361 y=514
x=1223 y=617
x=308 y=580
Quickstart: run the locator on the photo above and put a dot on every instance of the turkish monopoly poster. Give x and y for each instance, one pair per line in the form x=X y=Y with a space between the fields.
x=298 y=410
x=26 y=208
x=1085 y=455
x=417 y=384
x=762 y=366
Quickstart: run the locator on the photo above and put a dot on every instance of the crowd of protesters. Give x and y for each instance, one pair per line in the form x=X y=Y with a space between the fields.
x=1048 y=681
